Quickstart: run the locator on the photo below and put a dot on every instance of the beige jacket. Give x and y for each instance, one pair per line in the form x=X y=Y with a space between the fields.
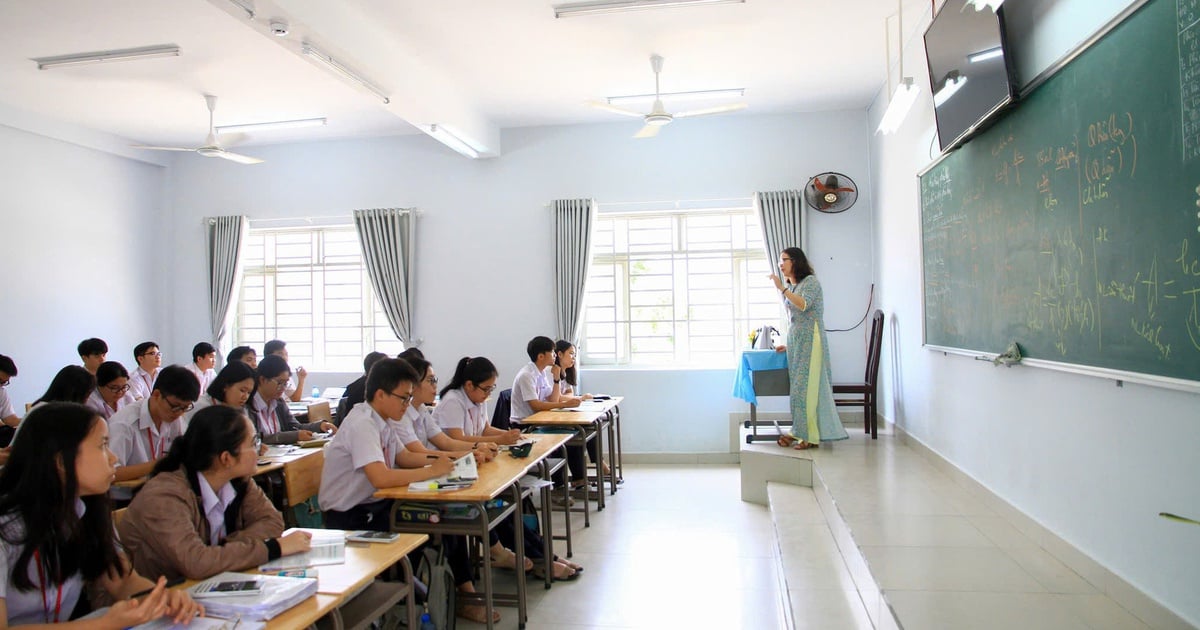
x=165 y=532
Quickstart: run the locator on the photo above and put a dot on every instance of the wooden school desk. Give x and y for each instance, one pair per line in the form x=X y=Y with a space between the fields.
x=496 y=478
x=587 y=425
x=362 y=598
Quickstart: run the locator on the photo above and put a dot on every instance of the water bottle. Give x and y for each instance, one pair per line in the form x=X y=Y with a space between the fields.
x=427 y=623
x=316 y=392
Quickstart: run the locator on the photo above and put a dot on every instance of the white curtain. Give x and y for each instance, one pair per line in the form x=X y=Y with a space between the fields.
x=572 y=257
x=388 y=237
x=224 y=239
x=782 y=216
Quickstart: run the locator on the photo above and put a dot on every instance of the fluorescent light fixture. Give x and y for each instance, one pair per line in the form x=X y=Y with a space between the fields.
x=617 y=6
x=278 y=124
x=902 y=101
x=124 y=54
x=953 y=84
x=245 y=5
x=452 y=139
x=333 y=64
x=981 y=4
x=696 y=94
x=984 y=55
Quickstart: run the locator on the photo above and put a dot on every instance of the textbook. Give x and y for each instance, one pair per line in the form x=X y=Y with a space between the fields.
x=328 y=547
x=278 y=594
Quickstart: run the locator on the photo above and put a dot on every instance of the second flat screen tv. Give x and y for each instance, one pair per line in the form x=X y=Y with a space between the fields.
x=970 y=69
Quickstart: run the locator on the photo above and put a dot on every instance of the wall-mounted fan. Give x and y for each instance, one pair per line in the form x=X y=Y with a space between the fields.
x=211 y=147
x=831 y=193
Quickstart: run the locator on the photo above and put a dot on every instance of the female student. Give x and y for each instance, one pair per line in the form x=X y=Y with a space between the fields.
x=56 y=533
x=231 y=387
x=112 y=389
x=462 y=413
x=201 y=514
x=269 y=411
x=365 y=456
x=73 y=383
x=564 y=370
x=462 y=416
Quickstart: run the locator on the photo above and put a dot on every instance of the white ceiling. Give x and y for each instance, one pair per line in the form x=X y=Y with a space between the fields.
x=473 y=65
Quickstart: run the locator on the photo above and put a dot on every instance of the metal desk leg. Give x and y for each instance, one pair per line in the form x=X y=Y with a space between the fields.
x=598 y=435
x=518 y=515
x=618 y=465
x=547 y=516
x=612 y=449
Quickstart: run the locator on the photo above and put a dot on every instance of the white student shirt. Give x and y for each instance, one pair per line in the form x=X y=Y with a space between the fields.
x=96 y=402
x=529 y=384
x=205 y=377
x=289 y=389
x=26 y=607
x=141 y=383
x=134 y=439
x=456 y=411
x=269 y=422
x=203 y=401
x=363 y=438
x=214 y=504
x=6 y=406
x=418 y=426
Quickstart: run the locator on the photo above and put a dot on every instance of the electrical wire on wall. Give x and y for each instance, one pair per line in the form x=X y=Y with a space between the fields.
x=870 y=302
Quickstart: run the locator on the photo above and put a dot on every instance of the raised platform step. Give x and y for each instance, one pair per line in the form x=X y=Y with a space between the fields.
x=763 y=462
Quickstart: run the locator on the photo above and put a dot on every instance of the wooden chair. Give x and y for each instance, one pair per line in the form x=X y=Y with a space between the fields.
x=117 y=516
x=301 y=481
x=320 y=412
x=865 y=394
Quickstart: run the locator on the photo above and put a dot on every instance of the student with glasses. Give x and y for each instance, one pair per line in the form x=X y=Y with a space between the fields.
x=141 y=433
x=462 y=412
x=269 y=411
x=420 y=433
x=149 y=360
x=112 y=389
x=92 y=352
x=8 y=369
x=201 y=513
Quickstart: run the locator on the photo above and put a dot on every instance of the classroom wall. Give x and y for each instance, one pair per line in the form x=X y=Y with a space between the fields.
x=1089 y=460
x=485 y=248
x=81 y=235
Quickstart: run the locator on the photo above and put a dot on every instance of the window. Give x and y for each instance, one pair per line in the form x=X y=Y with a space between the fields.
x=676 y=288
x=308 y=287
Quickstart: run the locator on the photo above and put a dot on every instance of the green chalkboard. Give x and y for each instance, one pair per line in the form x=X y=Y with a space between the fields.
x=1072 y=225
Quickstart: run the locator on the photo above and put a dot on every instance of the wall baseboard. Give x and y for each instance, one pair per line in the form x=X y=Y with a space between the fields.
x=1139 y=604
x=680 y=458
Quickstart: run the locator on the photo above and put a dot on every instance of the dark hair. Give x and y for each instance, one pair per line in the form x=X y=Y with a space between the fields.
x=470 y=370
x=143 y=348
x=7 y=366
x=386 y=374
x=108 y=372
x=537 y=346
x=234 y=372
x=93 y=346
x=273 y=346
x=237 y=353
x=800 y=265
x=212 y=431
x=411 y=353
x=272 y=366
x=419 y=365
x=177 y=381
x=371 y=359
x=71 y=384
x=561 y=346
x=202 y=349
x=38 y=486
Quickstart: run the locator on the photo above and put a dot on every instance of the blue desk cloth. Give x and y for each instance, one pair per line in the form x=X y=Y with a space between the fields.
x=752 y=361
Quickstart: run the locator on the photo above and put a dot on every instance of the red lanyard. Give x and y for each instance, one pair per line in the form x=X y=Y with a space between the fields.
x=149 y=382
x=270 y=422
x=37 y=557
x=162 y=447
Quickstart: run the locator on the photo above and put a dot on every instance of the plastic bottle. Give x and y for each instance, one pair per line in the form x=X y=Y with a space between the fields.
x=427 y=623
x=316 y=392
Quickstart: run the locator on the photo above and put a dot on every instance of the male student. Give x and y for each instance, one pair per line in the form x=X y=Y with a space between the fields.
x=245 y=354
x=356 y=391
x=295 y=388
x=364 y=456
x=149 y=359
x=204 y=361
x=141 y=433
x=8 y=415
x=92 y=352
x=532 y=389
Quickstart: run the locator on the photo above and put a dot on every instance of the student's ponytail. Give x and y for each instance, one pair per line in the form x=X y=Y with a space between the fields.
x=470 y=370
x=175 y=457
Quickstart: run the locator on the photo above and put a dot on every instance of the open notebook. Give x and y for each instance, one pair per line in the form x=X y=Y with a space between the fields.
x=328 y=547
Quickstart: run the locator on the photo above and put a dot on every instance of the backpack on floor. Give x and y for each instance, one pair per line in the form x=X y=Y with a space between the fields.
x=435 y=575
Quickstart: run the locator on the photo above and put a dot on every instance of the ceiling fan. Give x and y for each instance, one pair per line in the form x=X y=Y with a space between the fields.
x=211 y=147
x=659 y=116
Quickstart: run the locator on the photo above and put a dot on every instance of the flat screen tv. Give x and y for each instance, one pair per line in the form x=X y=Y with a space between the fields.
x=970 y=69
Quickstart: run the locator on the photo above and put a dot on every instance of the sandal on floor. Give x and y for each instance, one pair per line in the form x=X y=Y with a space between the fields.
x=478 y=614
x=785 y=441
x=507 y=559
x=560 y=572
x=804 y=446
x=571 y=565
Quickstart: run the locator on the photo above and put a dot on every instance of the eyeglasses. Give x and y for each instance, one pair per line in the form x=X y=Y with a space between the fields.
x=432 y=380
x=281 y=382
x=4 y=383
x=406 y=398
x=257 y=442
x=486 y=390
x=116 y=389
x=154 y=353
x=179 y=407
